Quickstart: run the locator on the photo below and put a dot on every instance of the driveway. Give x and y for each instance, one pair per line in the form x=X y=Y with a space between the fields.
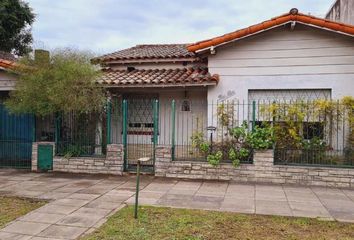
x=81 y=203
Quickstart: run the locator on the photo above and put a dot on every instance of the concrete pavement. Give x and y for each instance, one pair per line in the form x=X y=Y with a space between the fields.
x=81 y=203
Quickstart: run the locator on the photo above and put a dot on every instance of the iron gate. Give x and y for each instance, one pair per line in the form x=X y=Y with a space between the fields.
x=140 y=131
x=16 y=136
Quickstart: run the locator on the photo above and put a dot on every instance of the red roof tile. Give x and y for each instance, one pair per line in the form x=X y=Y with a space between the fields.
x=7 y=64
x=294 y=15
x=149 y=51
x=158 y=77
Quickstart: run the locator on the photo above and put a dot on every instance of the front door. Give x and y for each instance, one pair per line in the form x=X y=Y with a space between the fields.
x=140 y=126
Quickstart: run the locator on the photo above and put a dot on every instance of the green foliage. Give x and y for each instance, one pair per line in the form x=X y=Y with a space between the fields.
x=236 y=156
x=16 y=18
x=214 y=159
x=66 y=83
x=261 y=138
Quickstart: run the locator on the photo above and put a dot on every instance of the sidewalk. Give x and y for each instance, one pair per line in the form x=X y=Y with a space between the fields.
x=81 y=203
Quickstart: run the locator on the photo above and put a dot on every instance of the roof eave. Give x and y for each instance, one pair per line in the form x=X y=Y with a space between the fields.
x=159 y=86
x=271 y=28
x=150 y=60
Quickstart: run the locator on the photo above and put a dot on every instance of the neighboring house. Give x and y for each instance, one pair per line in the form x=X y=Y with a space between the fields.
x=7 y=79
x=342 y=11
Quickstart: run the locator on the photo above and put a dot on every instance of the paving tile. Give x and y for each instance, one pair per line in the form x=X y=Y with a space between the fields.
x=267 y=207
x=42 y=217
x=237 y=205
x=13 y=236
x=57 y=209
x=43 y=238
x=99 y=212
x=62 y=232
x=212 y=189
x=343 y=216
x=67 y=189
x=28 y=228
x=270 y=195
x=309 y=209
x=301 y=196
x=80 y=219
x=53 y=195
x=112 y=198
x=103 y=204
x=70 y=202
x=83 y=196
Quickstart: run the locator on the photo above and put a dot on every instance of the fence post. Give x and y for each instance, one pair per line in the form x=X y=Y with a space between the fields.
x=125 y=118
x=173 y=129
x=33 y=128
x=253 y=115
x=57 y=131
x=155 y=110
x=109 y=109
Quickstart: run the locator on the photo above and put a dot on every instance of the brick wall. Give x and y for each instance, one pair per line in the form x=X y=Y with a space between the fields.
x=262 y=170
x=112 y=163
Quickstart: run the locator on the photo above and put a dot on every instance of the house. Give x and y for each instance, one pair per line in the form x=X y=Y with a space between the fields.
x=290 y=57
x=7 y=79
x=342 y=11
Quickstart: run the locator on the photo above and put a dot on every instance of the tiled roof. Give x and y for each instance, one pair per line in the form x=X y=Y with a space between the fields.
x=7 y=56
x=7 y=64
x=158 y=77
x=294 y=15
x=149 y=51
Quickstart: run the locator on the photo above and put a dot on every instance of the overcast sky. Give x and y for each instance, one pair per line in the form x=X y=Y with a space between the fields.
x=104 y=26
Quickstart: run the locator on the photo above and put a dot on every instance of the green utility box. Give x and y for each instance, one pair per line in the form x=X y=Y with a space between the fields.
x=45 y=157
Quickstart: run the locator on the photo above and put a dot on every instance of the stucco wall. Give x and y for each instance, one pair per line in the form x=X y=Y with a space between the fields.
x=306 y=58
x=7 y=81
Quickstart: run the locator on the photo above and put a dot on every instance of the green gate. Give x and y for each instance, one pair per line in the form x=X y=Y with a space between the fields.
x=16 y=136
x=140 y=130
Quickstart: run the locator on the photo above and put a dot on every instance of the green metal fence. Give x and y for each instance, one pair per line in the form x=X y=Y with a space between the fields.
x=80 y=134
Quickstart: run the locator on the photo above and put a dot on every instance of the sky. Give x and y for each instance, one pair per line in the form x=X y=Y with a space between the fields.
x=104 y=26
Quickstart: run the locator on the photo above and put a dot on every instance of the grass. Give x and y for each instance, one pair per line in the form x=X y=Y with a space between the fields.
x=186 y=224
x=14 y=207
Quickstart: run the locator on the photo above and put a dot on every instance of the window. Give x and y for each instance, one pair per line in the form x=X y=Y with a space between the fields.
x=186 y=106
x=312 y=130
x=140 y=114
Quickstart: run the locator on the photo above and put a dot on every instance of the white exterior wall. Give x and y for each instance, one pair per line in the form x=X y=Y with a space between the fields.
x=7 y=81
x=306 y=58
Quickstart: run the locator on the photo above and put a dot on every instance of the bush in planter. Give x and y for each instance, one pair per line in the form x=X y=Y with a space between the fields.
x=237 y=147
x=214 y=159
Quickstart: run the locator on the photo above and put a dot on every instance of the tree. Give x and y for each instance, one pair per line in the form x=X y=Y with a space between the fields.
x=16 y=18
x=62 y=83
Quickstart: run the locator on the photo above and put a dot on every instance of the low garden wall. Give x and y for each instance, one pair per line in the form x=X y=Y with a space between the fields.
x=262 y=170
x=112 y=163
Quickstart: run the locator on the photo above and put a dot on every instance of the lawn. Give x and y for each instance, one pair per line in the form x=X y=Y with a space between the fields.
x=186 y=224
x=14 y=207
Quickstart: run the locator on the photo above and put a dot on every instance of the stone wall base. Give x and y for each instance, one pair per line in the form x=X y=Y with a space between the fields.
x=261 y=171
x=112 y=163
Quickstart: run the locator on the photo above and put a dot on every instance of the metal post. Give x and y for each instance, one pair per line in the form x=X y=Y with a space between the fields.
x=173 y=128
x=137 y=190
x=156 y=123
x=34 y=128
x=253 y=115
x=125 y=119
x=57 y=131
x=109 y=109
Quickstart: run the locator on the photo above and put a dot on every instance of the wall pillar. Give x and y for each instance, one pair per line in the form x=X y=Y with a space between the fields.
x=34 y=159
